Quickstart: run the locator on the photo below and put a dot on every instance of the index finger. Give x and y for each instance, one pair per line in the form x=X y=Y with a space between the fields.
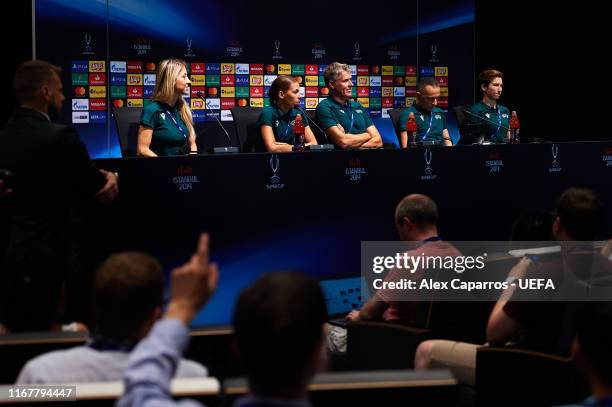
x=202 y=251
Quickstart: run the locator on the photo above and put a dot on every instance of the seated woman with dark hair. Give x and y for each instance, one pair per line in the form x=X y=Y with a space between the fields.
x=276 y=121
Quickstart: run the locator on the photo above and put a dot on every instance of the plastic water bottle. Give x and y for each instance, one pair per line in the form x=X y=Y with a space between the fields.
x=515 y=128
x=298 y=131
x=411 y=129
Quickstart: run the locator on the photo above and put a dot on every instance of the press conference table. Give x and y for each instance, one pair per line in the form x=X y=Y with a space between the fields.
x=311 y=210
x=465 y=181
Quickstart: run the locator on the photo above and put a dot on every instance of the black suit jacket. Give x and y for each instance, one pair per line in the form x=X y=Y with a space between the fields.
x=53 y=178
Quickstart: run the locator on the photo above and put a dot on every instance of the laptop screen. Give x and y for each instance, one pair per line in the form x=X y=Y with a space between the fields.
x=342 y=295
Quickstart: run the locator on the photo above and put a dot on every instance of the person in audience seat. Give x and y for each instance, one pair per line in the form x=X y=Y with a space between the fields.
x=548 y=324
x=128 y=294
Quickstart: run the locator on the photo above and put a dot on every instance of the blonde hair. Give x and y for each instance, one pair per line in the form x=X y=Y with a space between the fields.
x=167 y=73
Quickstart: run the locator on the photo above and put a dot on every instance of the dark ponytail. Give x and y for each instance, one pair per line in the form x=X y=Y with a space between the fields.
x=281 y=84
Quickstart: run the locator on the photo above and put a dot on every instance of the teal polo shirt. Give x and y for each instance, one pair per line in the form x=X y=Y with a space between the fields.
x=281 y=123
x=500 y=116
x=170 y=133
x=352 y=116
x=430 y=124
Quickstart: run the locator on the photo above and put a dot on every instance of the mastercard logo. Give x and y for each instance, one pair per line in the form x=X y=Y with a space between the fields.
x=118 y=103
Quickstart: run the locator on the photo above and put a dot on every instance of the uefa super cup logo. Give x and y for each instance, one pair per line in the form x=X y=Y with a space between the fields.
x=555 y=166
x=428 y=157
x=189 y=53
x=356 y=55
x=88 y=48
x=277 y=53
x=275 y=180
x=434 y=54
x=555 y=154
x=428 y=172
x=274 y=164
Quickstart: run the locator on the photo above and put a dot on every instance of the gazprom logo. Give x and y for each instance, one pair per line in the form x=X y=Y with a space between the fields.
x=80 y=104
x=149 y=80
x=268 y=79
x=242 y=69
x=213 y=103
x=118 y=67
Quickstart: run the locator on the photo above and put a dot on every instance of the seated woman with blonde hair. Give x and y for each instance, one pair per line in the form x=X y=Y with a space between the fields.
x=166 y=124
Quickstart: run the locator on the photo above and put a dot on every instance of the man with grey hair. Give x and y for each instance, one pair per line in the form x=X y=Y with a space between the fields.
x=345 y=121
x=416 y=218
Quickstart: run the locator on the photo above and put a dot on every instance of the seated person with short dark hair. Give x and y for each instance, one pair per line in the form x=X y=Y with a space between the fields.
x=545 y=325
x=280 y=329
x=430 y=119
x=128 y=294
x=416 y=221
x=279 y=325
x=488 y=111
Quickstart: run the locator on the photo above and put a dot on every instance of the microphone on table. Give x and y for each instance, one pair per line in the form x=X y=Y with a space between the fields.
x=228 y=149
x=327 y=145
x=485 y=119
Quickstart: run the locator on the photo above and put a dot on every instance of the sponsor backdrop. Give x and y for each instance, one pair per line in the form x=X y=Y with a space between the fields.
x=109 y=51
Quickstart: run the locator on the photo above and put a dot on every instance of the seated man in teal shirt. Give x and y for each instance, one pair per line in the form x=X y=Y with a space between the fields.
x=430 y=119
x=488 y=111
x=346 y=122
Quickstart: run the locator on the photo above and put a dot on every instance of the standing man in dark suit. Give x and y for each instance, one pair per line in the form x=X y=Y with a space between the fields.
x=54 y=178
